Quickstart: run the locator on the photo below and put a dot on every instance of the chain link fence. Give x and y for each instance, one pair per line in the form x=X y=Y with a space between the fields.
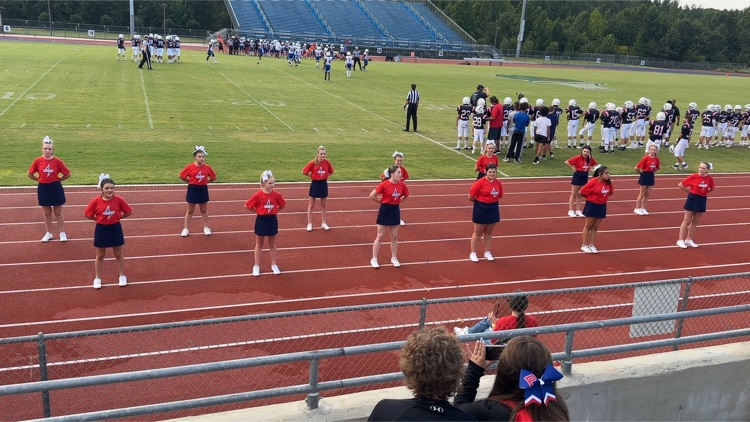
x=72 y=355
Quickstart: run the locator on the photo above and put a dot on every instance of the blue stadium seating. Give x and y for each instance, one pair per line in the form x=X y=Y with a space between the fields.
x=437 y=23
x=397 y=20
x=291 y=16
x=345 y=19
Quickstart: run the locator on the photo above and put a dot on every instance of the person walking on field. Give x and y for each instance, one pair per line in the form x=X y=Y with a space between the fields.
x=49 y=171
x=197 y=175
x=411 y=105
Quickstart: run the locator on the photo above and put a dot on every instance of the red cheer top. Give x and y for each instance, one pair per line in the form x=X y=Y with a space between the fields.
x=699 y=185
x=649 y=164
x=48 y=170
x=319 y=171
x=198 y=175
x=392 y=192
x=484 y=160
x=597 y=192
x=485 y=191
x=580 y=163
x=266 y=203
x=107 y=212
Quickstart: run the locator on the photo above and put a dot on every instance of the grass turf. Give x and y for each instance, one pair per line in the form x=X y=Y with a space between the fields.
x=141 y=126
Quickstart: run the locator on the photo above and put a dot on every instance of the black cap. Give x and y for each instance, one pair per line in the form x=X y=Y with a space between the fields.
x=480 y=86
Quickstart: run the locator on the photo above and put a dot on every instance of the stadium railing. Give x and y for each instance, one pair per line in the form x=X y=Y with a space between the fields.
x=275 y=357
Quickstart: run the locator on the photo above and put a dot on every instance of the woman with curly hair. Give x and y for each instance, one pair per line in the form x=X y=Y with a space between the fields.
x=432 y=363
x=526 y=362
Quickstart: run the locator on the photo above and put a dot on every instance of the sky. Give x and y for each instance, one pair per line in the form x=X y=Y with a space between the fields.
x=717 y=4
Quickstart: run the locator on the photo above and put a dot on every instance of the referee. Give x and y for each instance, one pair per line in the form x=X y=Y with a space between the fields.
x=411 y=104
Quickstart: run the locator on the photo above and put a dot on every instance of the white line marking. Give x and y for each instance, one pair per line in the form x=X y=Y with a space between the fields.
x=145 y=99
x=253 y=98
x=23 y=94
x=23 y=125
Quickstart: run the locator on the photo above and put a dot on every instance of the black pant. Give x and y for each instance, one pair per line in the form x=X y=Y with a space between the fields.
x=516 y=146
x=357 y=62
x=146 y=58
x=411 y=113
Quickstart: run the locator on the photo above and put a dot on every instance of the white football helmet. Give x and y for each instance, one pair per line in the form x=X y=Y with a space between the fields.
x=328 y=54
x=523 y=100
x=619 y=110
x=556 y=102
x=728 y=107
x=647 y=103
x=738 y=107
x=508 y=101
x=539 y=102
x=747 y=107
x=479 y=109
x=667 y=106
x=466 y=100
x=367 y=51
x=661 y=116
x=693 y=106
x=629 y=104
x=710 y=107
x=176 y=38
x=122 y=36
x=481 y=102
x=572 y=103
x=592 y=105
x=610 y=106
x=717 y=108
x=642 y=100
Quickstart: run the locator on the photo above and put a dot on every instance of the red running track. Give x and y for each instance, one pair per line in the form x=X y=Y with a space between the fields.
x=47 y=287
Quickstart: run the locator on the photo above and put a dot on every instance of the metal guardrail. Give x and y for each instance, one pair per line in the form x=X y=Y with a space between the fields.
x=291 y=351
x=313 y=388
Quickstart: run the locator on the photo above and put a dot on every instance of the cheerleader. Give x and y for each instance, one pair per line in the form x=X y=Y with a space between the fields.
x=318 y=170
x=49 y=171
x=648 y=165
x=580 y=164
x=107 y=210
x=486 y=159
x=485 y=193
x=597 y=191
x=390 y=193
x=398 y=160
x=698 y=186
x=197 y=175
x=266 y=203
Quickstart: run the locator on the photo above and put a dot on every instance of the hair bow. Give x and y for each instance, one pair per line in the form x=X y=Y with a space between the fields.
x=266 y=175
x=200 y=148
x=102 y=177
x=539 y=390
x=710 y=165
x=397 y=154
x=387 y=173
x=47 y=140
x=596 y=167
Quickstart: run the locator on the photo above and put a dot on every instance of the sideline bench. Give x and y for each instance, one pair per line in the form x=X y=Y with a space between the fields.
x=477 y=61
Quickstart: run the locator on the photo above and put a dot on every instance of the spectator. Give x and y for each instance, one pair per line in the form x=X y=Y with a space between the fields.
x=517 y=319
x=432 y=363
x=526 y=362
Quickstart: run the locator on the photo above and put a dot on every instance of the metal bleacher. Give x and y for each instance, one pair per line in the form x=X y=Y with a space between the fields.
x=291 y=16
x=346 y=19
x=395 y=18
x=437 y=23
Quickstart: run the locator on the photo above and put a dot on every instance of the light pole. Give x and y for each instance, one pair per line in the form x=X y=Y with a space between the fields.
x=521 y=29
x=164 y=21
x=495 y=43
x=49 y=13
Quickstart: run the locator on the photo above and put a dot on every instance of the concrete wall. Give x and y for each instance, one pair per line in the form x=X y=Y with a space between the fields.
x=707 y=384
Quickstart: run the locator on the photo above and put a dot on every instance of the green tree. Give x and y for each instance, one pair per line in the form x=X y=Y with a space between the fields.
x=106 y=20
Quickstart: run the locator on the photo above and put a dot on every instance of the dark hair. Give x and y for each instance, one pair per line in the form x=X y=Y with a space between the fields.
x=598 y=172
x=490 y=165
x=529 y=353
x=588 y=159
x=519 y=304
x=432 y=361
x=104 y=181
x=413 y=86
x=523 y=106
x=494 y=100
x=544 y=111
x=392 y=170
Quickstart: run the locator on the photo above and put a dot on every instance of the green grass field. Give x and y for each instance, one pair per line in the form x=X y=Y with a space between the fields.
x=141 y=126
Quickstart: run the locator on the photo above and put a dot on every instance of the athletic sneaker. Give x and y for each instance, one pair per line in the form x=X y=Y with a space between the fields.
x=207 y=231
x=579 y=214
x=593 y=249
x=275 y=269
x=185 y=233
x=374 y=263
x=488 y=256
x=460 y=331
x=571 y=213
x=536 y=160
x=401 y=223
x=638 y=211
x=97 y=283
x=47 y=237
x=256 y=270
x=473 y=257
x=643 y=211
x=325 y=227
x=682 y=244
x=551 y=156
x=395 y=262
x=676 y=167
x=585 y=249
x=63 y=237
x=506 y=159
x=122 y=281
x=690 y=243
x=309 y=227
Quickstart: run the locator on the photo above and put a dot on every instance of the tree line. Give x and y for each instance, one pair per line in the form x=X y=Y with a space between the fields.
x=660 y=29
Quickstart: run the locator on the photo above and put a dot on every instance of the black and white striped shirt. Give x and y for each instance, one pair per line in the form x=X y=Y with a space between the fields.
x=412 y=97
